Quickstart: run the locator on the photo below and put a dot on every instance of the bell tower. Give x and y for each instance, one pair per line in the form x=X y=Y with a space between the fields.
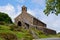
x=24 y=9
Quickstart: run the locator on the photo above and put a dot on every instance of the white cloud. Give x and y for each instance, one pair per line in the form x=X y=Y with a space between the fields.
x=56 y=24
x=53 y=22
x=31 y=12
x=9 y=9
x=18 y=10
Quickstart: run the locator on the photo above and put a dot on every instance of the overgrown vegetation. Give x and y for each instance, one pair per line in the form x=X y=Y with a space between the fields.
x=5 y=18
x=22 y=33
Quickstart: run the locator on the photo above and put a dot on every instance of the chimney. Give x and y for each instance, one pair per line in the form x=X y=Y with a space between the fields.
x=24 y=9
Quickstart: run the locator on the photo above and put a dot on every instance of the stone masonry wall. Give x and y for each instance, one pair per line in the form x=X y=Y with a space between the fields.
x=38 y=23
x=49 y=31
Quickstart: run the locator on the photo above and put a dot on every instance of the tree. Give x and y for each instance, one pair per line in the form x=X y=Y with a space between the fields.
x=52 y=6
x=5 y=18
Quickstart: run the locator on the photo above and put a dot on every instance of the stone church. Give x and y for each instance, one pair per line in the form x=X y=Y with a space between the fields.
x=27 y=20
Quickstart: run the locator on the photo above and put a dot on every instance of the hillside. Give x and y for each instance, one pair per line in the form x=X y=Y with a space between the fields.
x=19 y=33
x=13 y=32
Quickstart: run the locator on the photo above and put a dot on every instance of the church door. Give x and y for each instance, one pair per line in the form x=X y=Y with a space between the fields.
x=19 y=23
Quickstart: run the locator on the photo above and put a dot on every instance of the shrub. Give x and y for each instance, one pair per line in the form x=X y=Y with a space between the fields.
x=2 y=23
x=5 y=18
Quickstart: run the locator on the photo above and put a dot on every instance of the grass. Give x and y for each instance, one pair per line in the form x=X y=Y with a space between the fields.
x=58 y=35
x=24 y=33
x=39 y=33
x=4 y=27
x=1 y=38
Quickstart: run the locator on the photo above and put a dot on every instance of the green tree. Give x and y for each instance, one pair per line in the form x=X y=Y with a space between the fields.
x=52 y=6
x=5 y=18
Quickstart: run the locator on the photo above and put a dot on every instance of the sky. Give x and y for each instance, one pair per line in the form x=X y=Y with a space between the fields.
x=34 y=7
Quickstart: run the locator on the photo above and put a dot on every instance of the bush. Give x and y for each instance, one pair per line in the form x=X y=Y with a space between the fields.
x=59 y=33
x=2 y=23
x=5 y=18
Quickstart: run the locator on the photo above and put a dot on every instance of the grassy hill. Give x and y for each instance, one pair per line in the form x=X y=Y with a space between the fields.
x=19 y=33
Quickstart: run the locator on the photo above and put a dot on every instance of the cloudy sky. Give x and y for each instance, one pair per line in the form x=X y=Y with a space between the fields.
x=34 y=7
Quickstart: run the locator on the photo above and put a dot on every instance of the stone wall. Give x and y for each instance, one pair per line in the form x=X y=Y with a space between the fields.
x=17 y=19
x=49 y=31
x=38 y=23
x=44 y=30
x=27 y=18
x=24 y=17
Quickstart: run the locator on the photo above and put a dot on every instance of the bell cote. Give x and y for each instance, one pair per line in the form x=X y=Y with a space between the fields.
x=24 y=9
